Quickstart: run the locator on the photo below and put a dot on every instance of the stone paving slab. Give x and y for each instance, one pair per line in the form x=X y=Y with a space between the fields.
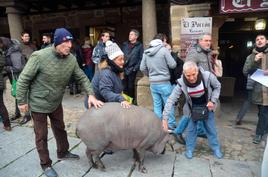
x=27 y=164
x=118 y=164
x=255 y=168
x=15 y=144
x=191 y=168
x=231 y=168
x=211 y=167
x=157 y=165
x=73 y=168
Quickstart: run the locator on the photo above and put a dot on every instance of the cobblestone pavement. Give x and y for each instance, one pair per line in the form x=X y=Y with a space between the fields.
x=236 y=141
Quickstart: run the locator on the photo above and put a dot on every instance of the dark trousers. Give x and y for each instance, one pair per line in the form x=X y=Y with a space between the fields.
x=3 y=111
x=245 y=106
x=129 y=84
x=41 y=131
x=262 y=125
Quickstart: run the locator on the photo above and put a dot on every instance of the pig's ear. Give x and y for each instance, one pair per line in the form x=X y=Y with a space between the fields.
x=160 y=145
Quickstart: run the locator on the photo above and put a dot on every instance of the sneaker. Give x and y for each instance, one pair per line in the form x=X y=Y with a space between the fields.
x=257 y=139
x=218 y=154
x=69 y=156
x=50 y=172
x=188 y=154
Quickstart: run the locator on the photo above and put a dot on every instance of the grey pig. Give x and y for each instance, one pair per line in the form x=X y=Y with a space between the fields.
x=115 y=128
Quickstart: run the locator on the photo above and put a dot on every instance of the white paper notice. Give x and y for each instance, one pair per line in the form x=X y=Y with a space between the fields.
x=259 y=76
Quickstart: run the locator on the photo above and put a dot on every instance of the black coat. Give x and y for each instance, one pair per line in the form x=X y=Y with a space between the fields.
x=132 y=56
x=2 y=64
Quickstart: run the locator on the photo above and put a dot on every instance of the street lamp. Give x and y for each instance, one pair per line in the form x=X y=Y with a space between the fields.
x=260 y=24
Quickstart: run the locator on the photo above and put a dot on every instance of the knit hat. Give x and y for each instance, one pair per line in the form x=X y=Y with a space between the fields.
x=61 y=35
x=112 y=50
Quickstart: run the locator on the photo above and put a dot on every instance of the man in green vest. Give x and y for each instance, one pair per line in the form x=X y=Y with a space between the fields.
x=40 y=89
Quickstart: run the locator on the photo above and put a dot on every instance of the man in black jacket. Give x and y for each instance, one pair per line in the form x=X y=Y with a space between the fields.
x=133 y=51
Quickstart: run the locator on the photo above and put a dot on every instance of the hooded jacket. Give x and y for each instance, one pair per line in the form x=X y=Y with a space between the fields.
x=156 y=62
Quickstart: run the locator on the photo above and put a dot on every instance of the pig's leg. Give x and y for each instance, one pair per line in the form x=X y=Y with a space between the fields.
x=90 y=159
x=139 y=157
x=135 y=161
x=98 y=160
x=141 y=166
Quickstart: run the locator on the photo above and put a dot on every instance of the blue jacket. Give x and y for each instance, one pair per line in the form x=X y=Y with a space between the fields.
x=107 y=86
x=132 y=56
x=98 y=52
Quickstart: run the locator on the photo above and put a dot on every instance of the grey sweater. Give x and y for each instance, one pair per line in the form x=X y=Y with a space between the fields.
x=211 y=83
x=156 y=62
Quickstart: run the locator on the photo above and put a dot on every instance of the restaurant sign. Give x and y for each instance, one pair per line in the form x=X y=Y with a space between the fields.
x=238 y=6
x=191 y=29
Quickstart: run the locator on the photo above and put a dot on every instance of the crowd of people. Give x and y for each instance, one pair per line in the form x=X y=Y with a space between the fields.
x=107 y=73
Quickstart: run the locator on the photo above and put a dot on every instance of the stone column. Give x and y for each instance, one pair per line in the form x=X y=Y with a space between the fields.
x=149 y=29
x=14 y=22
x=149 y=26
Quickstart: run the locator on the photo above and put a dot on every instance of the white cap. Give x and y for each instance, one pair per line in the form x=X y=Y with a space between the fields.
x=113 y=50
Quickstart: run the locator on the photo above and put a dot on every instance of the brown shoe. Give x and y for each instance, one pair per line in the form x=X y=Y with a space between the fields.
x=7 y=128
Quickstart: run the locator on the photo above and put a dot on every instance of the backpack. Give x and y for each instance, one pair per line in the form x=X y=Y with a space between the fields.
x=21 y=57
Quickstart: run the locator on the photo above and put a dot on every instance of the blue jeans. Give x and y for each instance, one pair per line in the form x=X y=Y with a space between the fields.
x=211 y=133
x=160 y=94
x=183 y=123
x=89 y=71
x=262 y=125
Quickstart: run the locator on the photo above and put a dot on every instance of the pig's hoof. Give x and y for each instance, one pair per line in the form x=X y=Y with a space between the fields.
x=143 y=170
x=100 y=166
x=94 y=165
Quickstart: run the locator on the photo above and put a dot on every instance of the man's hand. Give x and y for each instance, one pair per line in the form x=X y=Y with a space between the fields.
x=210 y=105
x=94 y=101
x=165 y=125
x=259 y=56
x=23 y=108
x=125 y=104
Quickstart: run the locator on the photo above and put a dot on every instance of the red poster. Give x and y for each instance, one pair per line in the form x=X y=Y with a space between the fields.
x=238 y=6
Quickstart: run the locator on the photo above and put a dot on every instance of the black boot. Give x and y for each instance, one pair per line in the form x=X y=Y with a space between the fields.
x=25 y=120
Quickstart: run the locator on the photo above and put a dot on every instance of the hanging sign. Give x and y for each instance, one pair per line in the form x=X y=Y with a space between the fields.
x=191 y=29
x=238 y=6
